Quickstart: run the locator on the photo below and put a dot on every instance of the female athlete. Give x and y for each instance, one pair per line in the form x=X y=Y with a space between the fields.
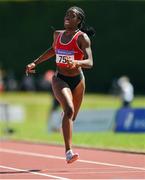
x=72 y=48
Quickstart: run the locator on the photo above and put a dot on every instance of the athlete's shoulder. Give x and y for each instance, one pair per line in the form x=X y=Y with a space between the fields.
x=83 y=37
x=55 y=36
x=57 y=32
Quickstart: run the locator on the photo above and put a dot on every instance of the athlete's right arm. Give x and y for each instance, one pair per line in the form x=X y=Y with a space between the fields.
x=45 y=56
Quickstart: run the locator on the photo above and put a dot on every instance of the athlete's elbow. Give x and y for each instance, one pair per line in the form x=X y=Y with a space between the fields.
x=90 y=64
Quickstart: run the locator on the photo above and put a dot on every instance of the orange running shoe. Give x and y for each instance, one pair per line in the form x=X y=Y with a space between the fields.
x=71 y=157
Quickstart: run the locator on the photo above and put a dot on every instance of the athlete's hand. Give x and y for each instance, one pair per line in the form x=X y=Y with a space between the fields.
x=72 y=64
x=30 y=68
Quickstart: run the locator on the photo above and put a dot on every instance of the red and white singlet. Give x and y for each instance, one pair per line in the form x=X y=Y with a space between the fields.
x=69 y=50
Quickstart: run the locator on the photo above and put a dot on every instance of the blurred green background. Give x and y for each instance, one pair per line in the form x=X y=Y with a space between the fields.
x=118 y=49
x=36 y=124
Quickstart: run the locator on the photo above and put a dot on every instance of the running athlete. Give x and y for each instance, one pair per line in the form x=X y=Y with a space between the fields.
x=72 y=48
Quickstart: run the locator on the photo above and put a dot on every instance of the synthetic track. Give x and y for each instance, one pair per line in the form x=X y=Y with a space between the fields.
x=21 y=160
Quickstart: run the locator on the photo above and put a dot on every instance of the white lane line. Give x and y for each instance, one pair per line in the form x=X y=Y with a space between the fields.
x=99 y=172
x=59 y=157
x=36 y=173
x=114 y=165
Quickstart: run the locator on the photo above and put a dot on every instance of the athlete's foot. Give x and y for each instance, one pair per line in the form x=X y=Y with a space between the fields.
x=71 y=157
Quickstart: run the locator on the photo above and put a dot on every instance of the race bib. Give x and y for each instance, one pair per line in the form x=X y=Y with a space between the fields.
x=63 y=55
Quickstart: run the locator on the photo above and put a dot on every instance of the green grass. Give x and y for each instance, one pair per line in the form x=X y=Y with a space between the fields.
x=34 y=127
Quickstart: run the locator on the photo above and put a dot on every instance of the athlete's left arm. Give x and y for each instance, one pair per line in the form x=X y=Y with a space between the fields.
x=85 y=45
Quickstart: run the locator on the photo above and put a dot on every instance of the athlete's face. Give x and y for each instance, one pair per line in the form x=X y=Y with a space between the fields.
x=71 y=19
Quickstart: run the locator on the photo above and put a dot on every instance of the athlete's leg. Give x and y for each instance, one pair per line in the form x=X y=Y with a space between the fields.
x=53 y=123
x=64 y=96
x=78 y=94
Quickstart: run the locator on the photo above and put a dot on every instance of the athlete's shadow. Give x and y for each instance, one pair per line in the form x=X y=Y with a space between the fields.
x=19 y=172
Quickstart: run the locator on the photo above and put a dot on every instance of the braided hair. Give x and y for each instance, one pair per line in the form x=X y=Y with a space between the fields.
x=82 y=26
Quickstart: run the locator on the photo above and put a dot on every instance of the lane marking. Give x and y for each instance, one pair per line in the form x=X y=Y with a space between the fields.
x=62 y=158
x=100 y=172
x=36 y=173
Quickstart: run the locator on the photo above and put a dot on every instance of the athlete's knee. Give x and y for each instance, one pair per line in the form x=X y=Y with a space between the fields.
x=69 y=112
x=74 y=117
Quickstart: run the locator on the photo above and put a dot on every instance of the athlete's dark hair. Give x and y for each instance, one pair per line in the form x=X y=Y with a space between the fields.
x=82 y=26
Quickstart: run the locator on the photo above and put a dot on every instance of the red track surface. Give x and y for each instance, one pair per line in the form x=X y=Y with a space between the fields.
x=19 y=160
